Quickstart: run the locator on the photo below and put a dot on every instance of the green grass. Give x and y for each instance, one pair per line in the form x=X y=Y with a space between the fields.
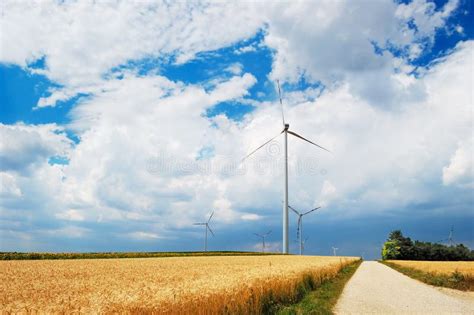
x=39 y=256
x=456 y=280
x=322 y=299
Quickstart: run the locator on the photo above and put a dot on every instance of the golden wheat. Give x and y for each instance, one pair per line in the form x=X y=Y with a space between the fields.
x=159 y=285
x=439 y=267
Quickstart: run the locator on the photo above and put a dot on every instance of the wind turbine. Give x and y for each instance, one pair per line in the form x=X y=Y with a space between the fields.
x=334 y=250
x=207 y=228
x=262 y=236
x=450 y=239
x=304 y=242
x=286 y=130
x=299 y=231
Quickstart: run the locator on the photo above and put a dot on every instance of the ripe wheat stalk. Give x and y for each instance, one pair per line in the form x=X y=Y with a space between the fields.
x=185 y=285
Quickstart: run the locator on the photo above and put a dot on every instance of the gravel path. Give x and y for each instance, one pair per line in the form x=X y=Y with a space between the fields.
x=378 y=289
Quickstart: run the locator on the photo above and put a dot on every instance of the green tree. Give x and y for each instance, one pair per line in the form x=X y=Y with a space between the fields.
x=398 y=246
x=391 y=250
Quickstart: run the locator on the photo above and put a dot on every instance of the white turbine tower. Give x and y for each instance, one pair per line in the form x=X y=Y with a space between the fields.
x=285 y=131
x=299 y=231
x=304 y=243
x=334 y=250
x=262 y=236
x=207 y=228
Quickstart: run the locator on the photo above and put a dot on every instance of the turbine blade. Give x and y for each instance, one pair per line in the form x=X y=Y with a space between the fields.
x=248 y=155
x=207 y=225
x=298 y=136
x=294 y=210
x=268 y=233
x=199 y=223
x=257 y=234
x=210 y=217
x=281 y=104
x=311 y=210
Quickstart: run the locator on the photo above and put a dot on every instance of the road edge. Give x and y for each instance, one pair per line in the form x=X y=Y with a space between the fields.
x=323 y=299
x=454 y=281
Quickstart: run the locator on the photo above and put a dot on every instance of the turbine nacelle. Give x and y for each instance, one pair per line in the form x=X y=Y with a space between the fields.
x=286 y=130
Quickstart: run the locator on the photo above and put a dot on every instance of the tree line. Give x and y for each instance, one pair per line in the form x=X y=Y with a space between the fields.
x=400 y=247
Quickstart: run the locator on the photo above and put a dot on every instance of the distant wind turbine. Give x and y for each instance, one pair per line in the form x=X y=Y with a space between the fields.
x=334 y=250
x=262 y=236
x=299 y=231
x=304 y=243
x=207 y=228
x=285 y=131
x=450 y=239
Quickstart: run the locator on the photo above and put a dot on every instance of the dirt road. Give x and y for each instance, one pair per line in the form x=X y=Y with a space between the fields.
x=378 y=289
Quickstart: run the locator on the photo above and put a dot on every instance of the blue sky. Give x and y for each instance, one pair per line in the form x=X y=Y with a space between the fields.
x=120 y=137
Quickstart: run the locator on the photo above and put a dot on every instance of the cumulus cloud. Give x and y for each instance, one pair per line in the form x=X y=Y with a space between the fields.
x=235 y=68
x=342 y=46
x=9 y=186
x=136 y=162
x=460 y=168
x=140 y=161
x=381 y=160
x=23 y=146
x=78 y=53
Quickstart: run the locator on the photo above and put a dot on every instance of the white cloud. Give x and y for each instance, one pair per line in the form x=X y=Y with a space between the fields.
x=459 y=29
x=108 y=176
x=70 y=215
x=78 y=53
x=381 y=159
x=9 y=186
x=235 y=68
x=58 y=95
x=338 y=49
x=245 y=49
x=140 y=136
x=24 y=146
x=69 y=231
x=250 y=217
x=460 y=168
x=328 y=191
x=233 y=88
x=140 y=235
x=425 y=16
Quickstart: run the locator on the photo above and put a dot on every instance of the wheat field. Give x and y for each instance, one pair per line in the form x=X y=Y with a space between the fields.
x=438 y=267
x=189 y=285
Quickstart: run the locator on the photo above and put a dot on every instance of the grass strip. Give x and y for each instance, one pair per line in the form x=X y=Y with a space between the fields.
x=105 y=255
x=321 y=300
x=455 y=280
